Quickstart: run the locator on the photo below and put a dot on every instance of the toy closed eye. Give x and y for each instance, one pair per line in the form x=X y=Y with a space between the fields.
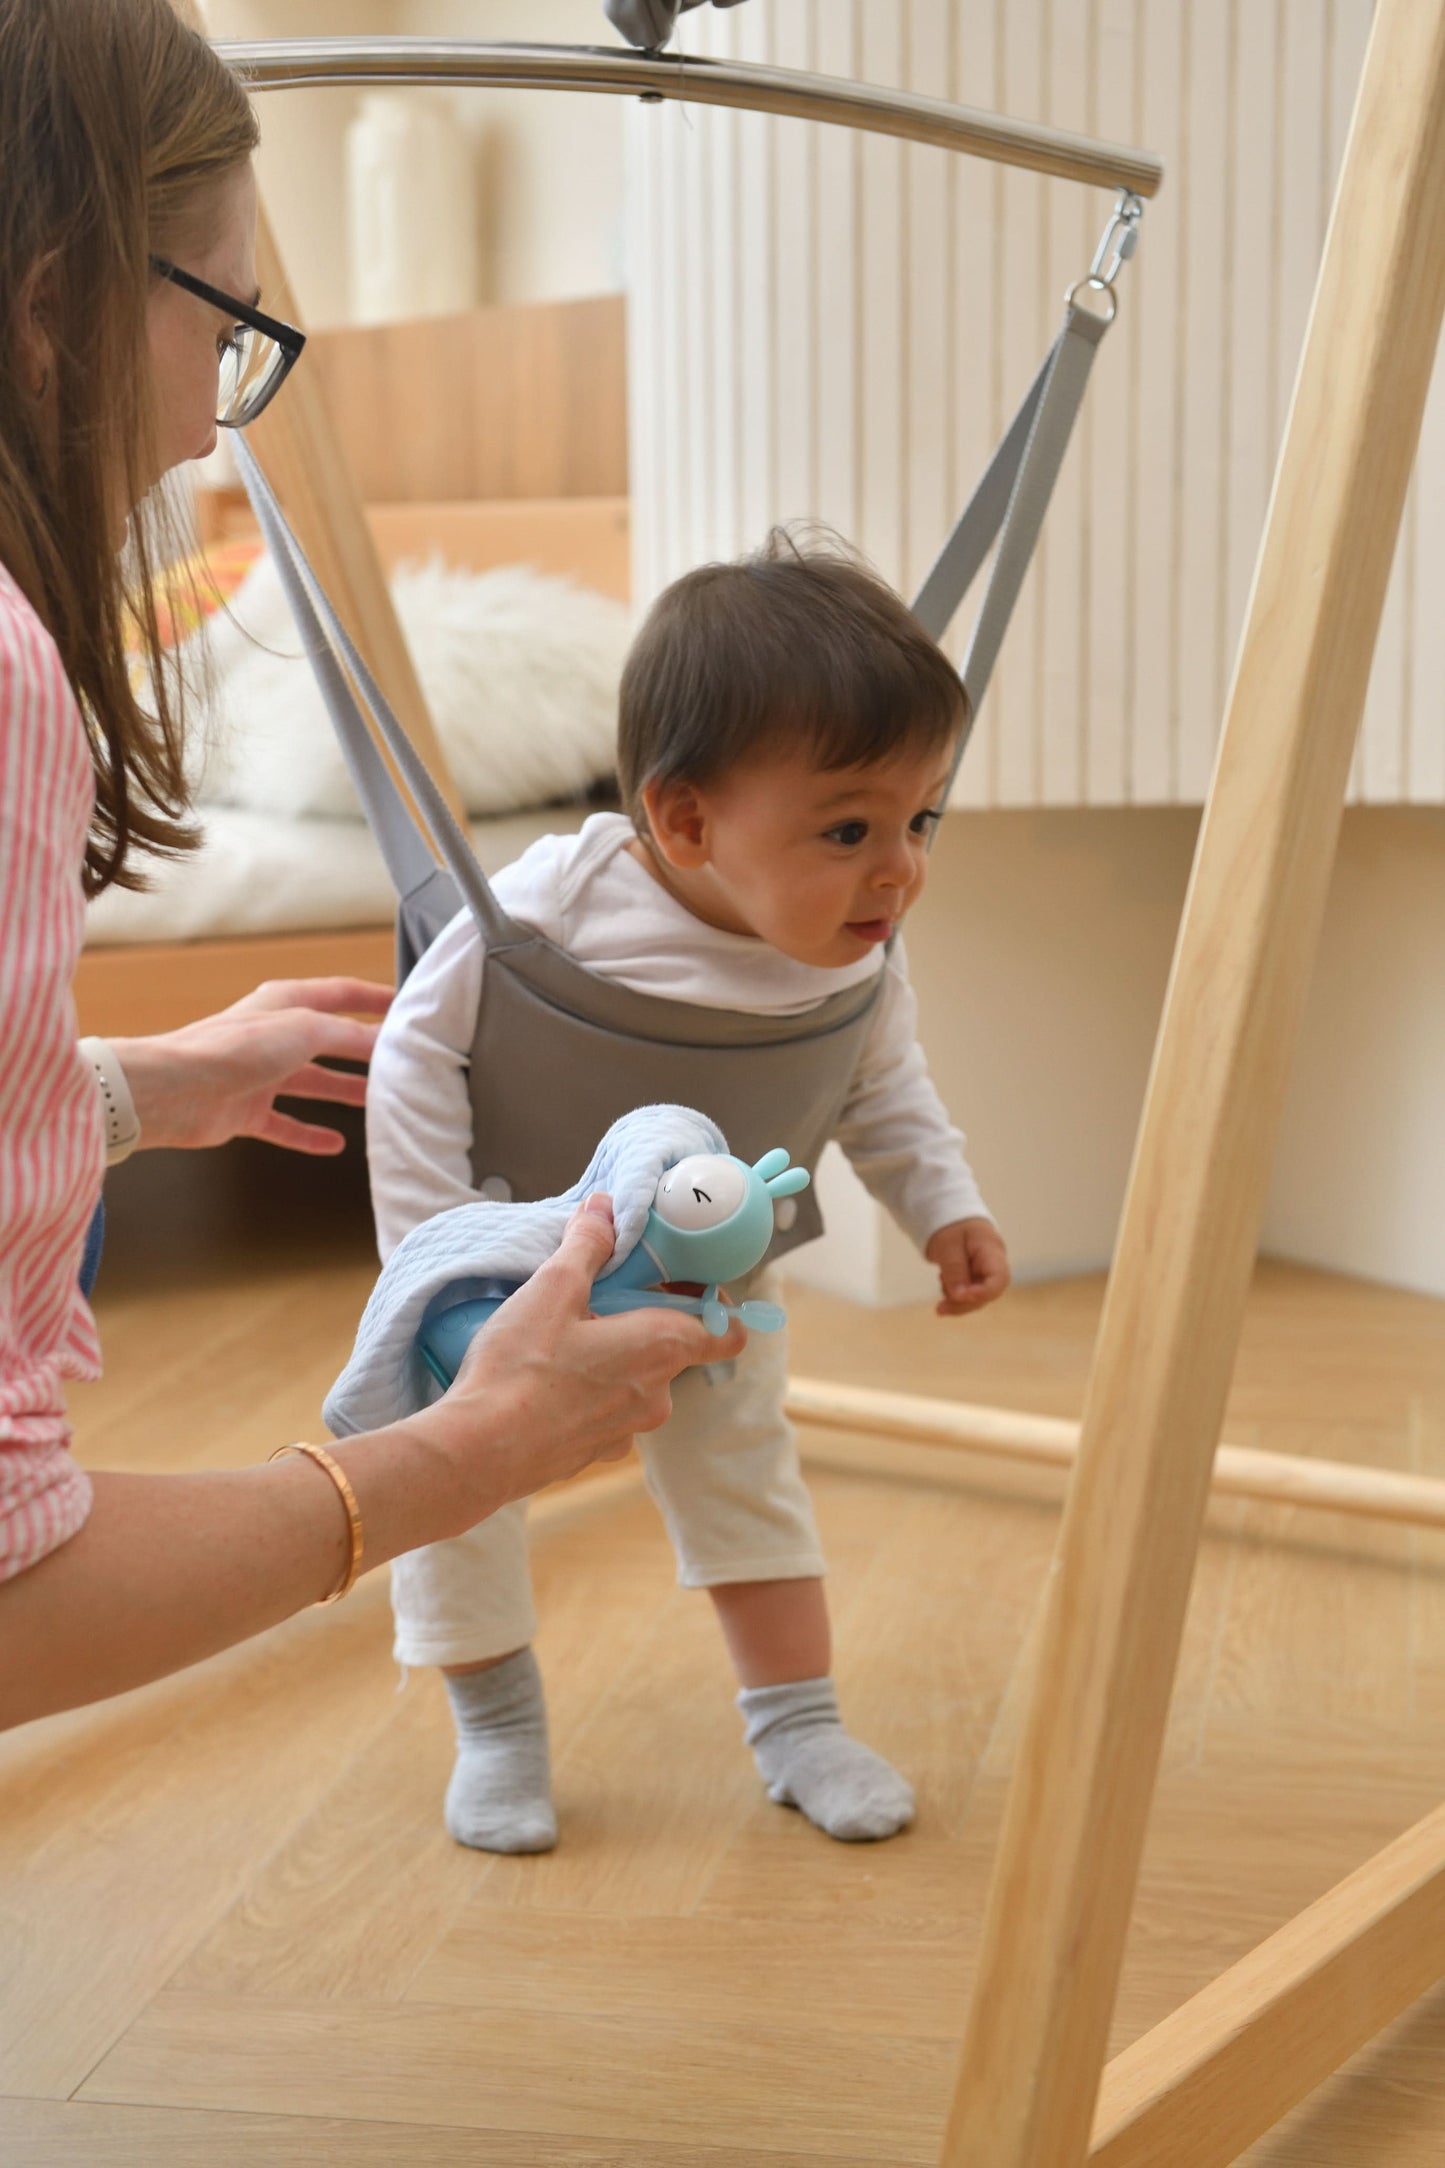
x=702 y=1191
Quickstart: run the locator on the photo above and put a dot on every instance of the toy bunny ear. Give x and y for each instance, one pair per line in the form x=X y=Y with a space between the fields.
x=789 y=1183
x=771 y=1163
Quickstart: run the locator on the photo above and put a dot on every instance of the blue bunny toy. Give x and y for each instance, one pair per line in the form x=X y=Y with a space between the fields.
x=711 y=1222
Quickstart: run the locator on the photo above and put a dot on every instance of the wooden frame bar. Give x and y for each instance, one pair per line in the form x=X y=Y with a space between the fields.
x=1051 y=1441
x=1063 y=1886
x=1232 y=2060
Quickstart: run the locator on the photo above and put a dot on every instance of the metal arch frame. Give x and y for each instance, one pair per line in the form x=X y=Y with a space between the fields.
x=292 y=63
x=1012 y=498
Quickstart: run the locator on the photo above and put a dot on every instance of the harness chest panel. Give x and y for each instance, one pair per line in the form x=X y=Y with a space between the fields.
x=560 y=1053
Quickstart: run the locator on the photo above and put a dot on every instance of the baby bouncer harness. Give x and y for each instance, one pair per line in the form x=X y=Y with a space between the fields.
x=559 y=1053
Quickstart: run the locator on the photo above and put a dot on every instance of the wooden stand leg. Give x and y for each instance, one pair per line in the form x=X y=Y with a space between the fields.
x=1240 y=2054
x=1063 y=1887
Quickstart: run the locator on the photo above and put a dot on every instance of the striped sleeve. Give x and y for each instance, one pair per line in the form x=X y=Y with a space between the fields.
x=51 y=1148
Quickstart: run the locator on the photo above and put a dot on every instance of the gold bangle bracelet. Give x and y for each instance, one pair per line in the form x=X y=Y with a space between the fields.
x=347 y=1495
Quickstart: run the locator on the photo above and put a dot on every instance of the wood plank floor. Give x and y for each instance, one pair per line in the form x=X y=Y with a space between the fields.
x=232 y=1930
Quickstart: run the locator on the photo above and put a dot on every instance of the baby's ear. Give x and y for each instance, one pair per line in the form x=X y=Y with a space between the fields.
x=677 y=819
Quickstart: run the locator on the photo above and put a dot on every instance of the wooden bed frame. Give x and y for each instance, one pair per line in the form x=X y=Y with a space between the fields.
x=498 y=437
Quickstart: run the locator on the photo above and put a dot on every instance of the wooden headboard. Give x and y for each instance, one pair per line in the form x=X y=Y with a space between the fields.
x=503 y=402
x=495 y=437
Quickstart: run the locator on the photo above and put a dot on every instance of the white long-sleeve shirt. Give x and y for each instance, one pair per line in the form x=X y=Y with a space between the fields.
x=591 y=898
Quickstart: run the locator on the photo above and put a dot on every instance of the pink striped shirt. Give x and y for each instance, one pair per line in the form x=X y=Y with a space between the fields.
x=52 y=1153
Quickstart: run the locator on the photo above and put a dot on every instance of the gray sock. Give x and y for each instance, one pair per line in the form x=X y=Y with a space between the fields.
x=500 y=1795
x=807 y=1760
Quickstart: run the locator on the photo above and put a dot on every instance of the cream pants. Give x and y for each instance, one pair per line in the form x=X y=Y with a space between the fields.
x=723 y=1469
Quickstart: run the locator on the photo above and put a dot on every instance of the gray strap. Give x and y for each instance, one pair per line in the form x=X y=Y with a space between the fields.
x=953 y=571
x=328 y=646
x=1023 y=470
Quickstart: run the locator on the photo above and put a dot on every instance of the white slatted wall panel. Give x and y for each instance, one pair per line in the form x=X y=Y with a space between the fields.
x=834 y=326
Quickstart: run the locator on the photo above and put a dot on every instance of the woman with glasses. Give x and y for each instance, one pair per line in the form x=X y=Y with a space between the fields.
x=130 y=327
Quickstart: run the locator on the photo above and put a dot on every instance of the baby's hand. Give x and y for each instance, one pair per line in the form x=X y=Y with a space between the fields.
x=972 y=1265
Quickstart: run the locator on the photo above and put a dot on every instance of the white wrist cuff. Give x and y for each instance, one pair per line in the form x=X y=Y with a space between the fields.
x=122 y=1125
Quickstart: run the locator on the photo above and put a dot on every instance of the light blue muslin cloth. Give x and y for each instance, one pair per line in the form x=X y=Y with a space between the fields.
x=385 y=1378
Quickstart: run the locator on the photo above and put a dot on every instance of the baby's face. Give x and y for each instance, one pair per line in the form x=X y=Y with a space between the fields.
x=821 y=864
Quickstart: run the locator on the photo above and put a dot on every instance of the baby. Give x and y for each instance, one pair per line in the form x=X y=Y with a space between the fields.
x=786 y=736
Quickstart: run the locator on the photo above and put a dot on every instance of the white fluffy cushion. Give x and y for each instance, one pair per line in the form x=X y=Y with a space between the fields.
x=519 y=670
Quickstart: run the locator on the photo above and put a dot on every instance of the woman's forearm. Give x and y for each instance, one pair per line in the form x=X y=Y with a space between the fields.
x=169 y=1569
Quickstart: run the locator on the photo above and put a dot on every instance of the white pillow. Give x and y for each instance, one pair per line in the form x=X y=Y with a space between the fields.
x=520 y=672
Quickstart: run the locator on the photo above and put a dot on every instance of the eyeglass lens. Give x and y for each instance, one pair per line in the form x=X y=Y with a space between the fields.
x=250 y=362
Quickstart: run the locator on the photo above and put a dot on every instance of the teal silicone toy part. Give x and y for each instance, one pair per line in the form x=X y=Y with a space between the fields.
x=712 y=1254
x=730 y=1247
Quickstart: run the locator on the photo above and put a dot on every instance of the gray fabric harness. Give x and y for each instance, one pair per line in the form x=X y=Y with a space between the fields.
x=559 y=1053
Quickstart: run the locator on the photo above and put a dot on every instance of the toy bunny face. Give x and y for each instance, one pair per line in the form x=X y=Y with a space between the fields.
x=712 y=1215
x=702 y=1190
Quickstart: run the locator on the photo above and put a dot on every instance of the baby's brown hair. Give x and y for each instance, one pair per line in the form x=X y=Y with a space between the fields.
x=799 y=645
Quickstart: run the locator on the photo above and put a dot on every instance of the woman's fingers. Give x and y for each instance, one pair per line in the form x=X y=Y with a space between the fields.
x=343 y=1038
x=342 y=1087
x=336 y=996
x=294 y=1136
x=659 y=1343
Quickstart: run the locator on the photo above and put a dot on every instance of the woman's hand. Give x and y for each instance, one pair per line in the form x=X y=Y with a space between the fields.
x=546 y=1388
x=220 y=1078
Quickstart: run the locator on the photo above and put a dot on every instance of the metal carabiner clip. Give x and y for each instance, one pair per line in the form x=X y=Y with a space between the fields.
x=1119 y=240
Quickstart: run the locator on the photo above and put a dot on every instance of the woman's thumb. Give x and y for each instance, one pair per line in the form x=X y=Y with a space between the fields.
x=585 y=1247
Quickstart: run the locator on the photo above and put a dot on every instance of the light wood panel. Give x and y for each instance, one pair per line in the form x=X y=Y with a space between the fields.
x=765 y=2086
x=498 y=402
x=1059 y=1906
x=60 y=2134
x=585 y=539
x=125 y=992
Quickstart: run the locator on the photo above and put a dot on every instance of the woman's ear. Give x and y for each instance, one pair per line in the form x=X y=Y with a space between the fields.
x=35 y=339
x=677 y=818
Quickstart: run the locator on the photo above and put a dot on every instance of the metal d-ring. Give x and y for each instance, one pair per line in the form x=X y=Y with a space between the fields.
x=1092 y=283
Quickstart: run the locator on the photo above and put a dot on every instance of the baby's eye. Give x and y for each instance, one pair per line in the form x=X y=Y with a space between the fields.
x=849 y=833
x=922 y=822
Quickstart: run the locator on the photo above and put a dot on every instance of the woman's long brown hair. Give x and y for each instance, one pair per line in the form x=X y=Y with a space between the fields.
x=117 y=126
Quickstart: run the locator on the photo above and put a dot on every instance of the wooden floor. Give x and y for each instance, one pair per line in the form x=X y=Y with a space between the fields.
x=233 y=1932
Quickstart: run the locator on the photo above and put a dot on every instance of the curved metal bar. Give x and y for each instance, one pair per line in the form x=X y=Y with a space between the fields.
x=290 y=63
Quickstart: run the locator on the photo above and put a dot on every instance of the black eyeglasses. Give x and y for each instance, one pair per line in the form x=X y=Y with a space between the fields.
x=256 y=355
